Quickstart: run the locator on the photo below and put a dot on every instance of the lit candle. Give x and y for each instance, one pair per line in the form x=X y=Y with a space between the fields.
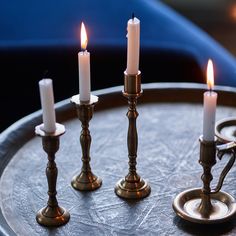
x=209 y=110
x=47 y=103
x=84 y=67
x=133 y=35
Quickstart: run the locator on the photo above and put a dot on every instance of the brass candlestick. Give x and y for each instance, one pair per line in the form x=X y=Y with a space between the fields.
x=207 y=206
x=132 y=186
x=86 y=180
x=52 y=214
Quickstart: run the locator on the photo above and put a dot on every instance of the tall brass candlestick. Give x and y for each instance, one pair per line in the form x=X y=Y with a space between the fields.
x=86 y=180
x=52 y=214
x=132 y=186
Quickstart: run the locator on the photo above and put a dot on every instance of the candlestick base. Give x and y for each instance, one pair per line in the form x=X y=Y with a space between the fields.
x=135 y=189
x=86 y=182
x=52 y=216
x=187 y=206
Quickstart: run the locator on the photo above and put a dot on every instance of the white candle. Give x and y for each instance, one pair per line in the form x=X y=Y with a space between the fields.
x=209 y=108
x=133 y=35
x=84 y=67
x=47 y=103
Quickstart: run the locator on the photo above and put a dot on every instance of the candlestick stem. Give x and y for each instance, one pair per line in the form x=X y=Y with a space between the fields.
x=52 y=214
x=207 y=160
x=132 y=138
x=85 y=137
x=132 y=186
x=86 y=180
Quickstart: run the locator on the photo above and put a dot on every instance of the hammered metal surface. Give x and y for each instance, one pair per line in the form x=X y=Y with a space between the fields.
x=168 y=155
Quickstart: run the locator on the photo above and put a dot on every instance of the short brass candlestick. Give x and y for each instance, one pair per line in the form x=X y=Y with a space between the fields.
x=86 y=180
x=132 y=186
x=52 y=214
x=207 y=206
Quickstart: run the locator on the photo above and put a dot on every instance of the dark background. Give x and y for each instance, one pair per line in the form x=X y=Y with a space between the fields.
x=43 y=36
x=216 y=17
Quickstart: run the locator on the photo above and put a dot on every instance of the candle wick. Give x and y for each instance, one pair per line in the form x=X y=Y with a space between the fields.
x=132 y=16
x=45 y=74
x=210 y=90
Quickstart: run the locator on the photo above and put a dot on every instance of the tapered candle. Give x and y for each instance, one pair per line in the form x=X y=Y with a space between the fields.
x=47 y=103
x=133 y=46
x=84 y=67
x=209 y=110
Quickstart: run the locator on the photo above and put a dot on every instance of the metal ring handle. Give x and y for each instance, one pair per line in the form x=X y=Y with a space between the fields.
x=221 y=151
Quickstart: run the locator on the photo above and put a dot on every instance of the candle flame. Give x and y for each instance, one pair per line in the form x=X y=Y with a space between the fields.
x=210 y=74
x=83 y=37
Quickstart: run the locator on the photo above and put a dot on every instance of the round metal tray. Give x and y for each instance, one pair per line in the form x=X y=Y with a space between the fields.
x=169 y=125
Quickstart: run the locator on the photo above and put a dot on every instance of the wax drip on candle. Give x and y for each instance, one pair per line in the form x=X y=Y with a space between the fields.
x=133 y=45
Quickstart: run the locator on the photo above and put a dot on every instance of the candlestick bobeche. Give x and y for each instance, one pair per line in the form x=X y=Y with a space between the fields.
x=52 y=214
x=207 y=206
x=86 y=180
x=132 y=186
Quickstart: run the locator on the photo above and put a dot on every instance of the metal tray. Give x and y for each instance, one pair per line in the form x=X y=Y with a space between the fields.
x=169 y=125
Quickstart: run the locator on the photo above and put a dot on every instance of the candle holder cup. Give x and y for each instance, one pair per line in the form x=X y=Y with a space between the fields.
x=207 y=206
x=86 y=180
x=52 y=214
x=132 y=186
